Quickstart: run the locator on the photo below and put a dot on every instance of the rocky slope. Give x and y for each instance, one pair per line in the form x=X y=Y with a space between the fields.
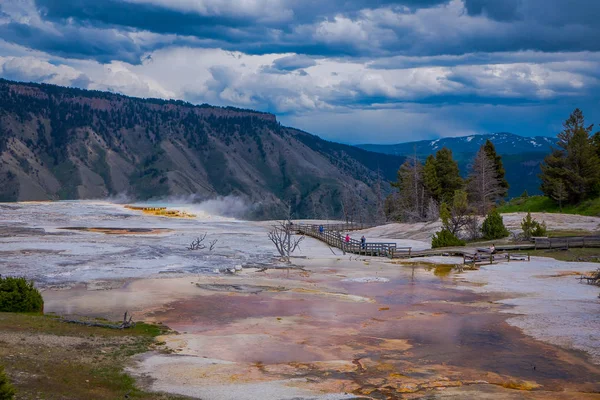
x=64 y=143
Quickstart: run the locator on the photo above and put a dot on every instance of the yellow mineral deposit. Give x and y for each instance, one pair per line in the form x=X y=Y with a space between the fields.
x=161 y=212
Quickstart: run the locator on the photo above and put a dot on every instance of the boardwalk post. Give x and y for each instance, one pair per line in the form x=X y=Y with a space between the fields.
x=508 y=256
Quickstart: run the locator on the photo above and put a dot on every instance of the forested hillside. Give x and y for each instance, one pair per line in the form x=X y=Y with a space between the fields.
x=64 y=143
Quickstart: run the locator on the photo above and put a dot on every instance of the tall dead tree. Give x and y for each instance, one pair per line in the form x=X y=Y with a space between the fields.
x=412 y=197
x=349 y=203
x=379 y=211
x=282 y=237
x=484 y=185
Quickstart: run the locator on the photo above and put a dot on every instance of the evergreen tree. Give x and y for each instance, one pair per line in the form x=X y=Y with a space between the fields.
x=448 y=174
x=445 y=238
x=532 y=228
x=576 y=163
x=490 y=150
x=7 y=392
x=430 y=178
x=493 y=226
x=596 y=142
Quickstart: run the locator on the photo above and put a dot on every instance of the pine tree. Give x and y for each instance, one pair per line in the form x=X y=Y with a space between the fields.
x=575 y=164
x=490 y=150
x=532 y=228
x=484 y=185
x=596 y=142
x=7 y=392
x=430 y=178
x=583 y=166
x=448 y=174
x=493 y=226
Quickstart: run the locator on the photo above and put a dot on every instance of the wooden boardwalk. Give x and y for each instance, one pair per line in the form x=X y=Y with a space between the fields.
x=333 y=235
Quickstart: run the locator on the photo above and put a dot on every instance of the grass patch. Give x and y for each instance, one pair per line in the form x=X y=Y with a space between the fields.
x=545 y=204
x=580 y=254
x=47 y=358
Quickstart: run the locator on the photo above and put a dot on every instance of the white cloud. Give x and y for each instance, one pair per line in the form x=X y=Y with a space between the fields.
x=34 y=69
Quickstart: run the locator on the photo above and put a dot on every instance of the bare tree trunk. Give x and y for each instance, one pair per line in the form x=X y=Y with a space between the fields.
x=484 y=185
x=281 y=236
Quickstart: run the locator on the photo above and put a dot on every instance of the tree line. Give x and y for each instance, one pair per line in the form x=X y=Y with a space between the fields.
x=569 y=175
x=424 y=189
x=435 y=189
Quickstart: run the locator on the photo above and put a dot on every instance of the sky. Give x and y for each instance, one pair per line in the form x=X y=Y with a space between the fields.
x=353 y=71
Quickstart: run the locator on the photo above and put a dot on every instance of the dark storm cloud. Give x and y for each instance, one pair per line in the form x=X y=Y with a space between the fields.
x=546 y=12
x=77 y=42
x=105 y=30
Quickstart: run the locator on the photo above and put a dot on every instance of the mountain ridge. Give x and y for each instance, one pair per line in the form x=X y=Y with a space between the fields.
x=65 y=143
x=505 y=143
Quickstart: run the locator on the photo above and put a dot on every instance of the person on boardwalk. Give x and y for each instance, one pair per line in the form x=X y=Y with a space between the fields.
x=493 y=249
x=321 y=229
x=363 y=242
x=347 y=238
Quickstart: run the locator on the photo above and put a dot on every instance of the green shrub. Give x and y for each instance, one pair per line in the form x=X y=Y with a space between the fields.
x=532 y=228
x=7 y=392
x=493 y=226
x=19 y=295
x=445 y=238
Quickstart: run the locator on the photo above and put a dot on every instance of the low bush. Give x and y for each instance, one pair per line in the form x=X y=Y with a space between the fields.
x=493 y=226
x=19 y=295
x=445 y=238
x=7 y=392
x=532 y=228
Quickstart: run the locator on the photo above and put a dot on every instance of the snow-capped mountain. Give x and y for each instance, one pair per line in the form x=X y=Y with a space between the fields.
x=521 y=155
x=506 y=143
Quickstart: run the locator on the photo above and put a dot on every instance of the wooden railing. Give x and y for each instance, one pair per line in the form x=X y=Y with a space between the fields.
x=489 y=258
x=566 y=242
x=333 y=235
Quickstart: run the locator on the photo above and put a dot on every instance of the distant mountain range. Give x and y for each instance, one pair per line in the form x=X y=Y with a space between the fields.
x=521 y=155
x=506 y=143
x=65 y=143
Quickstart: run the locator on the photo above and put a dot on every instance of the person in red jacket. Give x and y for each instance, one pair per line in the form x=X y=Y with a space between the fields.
x=347 y=238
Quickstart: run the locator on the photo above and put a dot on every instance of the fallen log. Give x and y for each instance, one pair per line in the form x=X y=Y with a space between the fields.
x=127 y=323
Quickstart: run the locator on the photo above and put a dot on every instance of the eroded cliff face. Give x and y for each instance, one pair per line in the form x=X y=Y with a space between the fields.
x=63 y=143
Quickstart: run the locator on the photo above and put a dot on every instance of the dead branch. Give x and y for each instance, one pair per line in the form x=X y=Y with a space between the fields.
x=281 y=236
x=212 y=244
x=197 y=244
